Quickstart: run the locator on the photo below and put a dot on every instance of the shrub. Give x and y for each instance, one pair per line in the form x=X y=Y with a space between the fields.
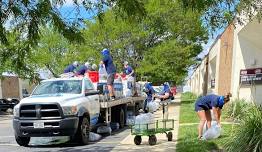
x=248 y=135
x=237 y=109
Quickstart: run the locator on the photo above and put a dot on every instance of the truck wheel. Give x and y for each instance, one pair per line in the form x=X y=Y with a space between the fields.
x=122 y=118
x=152 y=140
x=137 y=140
x=169 y=136
x=82 y=134
x=22 y=141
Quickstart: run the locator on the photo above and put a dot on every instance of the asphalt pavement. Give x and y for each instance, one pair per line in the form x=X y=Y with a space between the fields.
x=120 y=140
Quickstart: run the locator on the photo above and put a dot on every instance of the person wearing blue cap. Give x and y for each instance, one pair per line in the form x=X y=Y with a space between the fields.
x=83 y=69
x=165 y=93
x=111 y=71
x=149 y=90
x=206 y=103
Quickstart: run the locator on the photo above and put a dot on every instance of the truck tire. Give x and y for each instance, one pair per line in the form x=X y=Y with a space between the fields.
x=22 y=141
x=82 y=134
x=121 y=118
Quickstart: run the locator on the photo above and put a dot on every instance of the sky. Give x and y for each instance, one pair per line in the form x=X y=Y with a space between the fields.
x=70 y=12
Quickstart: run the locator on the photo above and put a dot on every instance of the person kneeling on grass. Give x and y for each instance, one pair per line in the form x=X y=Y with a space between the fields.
x=203 y=106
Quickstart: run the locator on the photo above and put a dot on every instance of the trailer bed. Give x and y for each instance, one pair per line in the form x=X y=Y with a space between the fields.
x=127 y=100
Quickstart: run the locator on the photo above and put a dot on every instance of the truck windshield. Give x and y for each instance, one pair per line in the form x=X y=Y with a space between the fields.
x=57 y=87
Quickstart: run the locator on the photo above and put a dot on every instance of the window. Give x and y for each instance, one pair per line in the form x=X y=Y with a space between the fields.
x=59 y=87
x=88 y=85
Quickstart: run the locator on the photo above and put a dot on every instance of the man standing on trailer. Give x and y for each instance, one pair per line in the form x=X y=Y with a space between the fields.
x=83 y=69
x=111 y=71
x=130 y=74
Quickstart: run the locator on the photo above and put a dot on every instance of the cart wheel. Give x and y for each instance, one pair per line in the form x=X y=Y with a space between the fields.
x=152 y=140
x=169 y=136
x=137 y=140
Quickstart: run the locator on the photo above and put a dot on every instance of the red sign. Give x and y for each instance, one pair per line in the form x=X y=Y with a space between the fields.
x=251 y=76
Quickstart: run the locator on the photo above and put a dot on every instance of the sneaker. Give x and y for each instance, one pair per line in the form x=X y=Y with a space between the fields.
x=113 y=98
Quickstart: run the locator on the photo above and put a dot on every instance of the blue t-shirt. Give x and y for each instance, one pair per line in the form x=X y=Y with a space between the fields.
x=109 y=65
x=128 y=70
x=82 y=70
x=150 y=93
x=210 y=101
x=69 y=68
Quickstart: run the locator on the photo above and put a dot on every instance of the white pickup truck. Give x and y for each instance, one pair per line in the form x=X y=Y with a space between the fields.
x=66 y=107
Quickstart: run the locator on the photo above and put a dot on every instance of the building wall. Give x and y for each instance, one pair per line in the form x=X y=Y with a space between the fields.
x=213 y=68
x=247 y=54
x=225 y=61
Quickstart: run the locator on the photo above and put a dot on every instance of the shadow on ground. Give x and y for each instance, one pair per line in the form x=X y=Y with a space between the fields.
x=69 y=146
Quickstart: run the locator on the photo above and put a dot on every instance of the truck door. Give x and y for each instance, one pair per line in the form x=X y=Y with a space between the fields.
x=93 y=99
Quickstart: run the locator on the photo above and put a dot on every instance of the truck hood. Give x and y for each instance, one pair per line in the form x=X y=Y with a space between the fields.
x=58 y=98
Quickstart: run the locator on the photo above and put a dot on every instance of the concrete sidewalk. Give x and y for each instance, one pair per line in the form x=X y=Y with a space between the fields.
x=162 y=144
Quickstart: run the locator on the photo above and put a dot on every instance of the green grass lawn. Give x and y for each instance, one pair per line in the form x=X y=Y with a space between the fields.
x=187 y=139
x=187 y=112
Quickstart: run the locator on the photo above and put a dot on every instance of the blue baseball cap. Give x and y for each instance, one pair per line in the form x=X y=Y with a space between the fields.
x=105 y=52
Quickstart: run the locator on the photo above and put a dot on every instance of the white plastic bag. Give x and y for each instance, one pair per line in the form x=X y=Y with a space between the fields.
x=213 y=123
x=102 y=72
x=94 y=136
x=152 y=106
x=104 y=130
x=145 y=121
x=213 y=132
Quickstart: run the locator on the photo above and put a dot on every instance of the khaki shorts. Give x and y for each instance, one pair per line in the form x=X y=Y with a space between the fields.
x=110 y=79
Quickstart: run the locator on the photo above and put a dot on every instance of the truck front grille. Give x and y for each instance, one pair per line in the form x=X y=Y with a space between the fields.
x=40 y=111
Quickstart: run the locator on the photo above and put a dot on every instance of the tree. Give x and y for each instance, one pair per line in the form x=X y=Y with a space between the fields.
x=166 y=24
x=219 y=13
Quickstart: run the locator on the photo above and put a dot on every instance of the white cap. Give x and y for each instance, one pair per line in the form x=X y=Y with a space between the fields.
x=75 y=63
x=94 y=66
x=87 y=64
x=125 y=63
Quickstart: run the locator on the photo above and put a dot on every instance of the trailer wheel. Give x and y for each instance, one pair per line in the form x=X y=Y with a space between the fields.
x=137 y=140
x=152 y=140
x=82 y=134
x=22 y=141
x=121 y=118
x=169 y=136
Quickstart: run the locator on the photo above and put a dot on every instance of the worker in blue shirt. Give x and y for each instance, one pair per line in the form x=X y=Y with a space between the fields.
x=149 y=90
x=71 y=67
x=111 y=71
x=83 y=69
x=128 y=70
x=165 y=93
x=130 y=73
x=203 y=106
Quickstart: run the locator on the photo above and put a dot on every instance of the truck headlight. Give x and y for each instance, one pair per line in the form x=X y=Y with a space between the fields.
x=16 y=111
x=69 y=110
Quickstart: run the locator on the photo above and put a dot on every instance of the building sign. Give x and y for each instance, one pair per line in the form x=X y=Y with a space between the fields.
x=251 y=76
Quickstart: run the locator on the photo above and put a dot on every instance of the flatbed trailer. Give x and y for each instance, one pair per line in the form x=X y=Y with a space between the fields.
x=115 y=110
